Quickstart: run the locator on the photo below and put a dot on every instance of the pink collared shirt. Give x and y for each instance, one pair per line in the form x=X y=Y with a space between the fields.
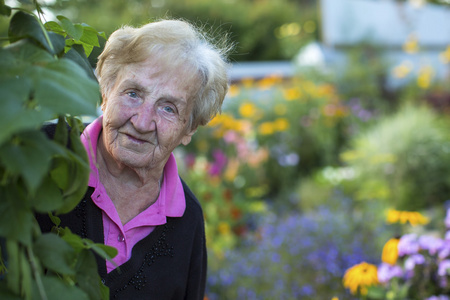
x=170 y=203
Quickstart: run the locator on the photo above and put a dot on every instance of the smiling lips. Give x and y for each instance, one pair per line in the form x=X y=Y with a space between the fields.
x=137 y=140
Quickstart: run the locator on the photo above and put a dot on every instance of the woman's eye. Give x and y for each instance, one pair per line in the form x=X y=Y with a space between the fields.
x=132 y=94
x=168 y=109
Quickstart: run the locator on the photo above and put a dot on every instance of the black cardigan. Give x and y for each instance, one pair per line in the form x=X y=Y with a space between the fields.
x=170 y=263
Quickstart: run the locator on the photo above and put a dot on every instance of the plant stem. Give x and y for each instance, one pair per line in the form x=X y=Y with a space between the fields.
x=36 y=273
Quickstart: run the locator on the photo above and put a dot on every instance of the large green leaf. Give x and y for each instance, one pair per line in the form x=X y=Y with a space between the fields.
x=48 y=196
x=61 y=87
x=56 y=289
x=23 y=25
x=16 y=219
x=15 y=116
x=78 y=55
x=6 y=294
x=54 y=253
x=87 y=275
x=29 y=154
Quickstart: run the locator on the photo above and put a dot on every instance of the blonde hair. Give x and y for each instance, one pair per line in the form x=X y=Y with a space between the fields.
x=173 y=43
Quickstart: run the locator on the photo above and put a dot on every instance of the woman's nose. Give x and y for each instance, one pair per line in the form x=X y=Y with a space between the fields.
x=145 y=119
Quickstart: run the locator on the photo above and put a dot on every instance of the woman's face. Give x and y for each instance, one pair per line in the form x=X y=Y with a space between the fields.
x=146 y=114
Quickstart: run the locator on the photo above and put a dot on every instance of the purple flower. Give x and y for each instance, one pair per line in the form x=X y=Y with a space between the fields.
x=440 y=297
x=447 y=219
x=386 y=272
x=443 y=267
x=413 y=260
x=444 y=252
x=408 y=245
x=431 y=243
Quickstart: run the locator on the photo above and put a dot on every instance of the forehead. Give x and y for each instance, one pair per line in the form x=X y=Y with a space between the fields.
x=153 y=73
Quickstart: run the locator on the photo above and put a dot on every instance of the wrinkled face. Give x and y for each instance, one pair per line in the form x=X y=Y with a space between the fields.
x=146 y=114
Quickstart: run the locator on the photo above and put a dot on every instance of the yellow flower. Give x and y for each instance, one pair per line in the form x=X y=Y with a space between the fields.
x=445 y=56
x=292 y=94
x=360 y=277
x=402 y=70
x=425 y=76
x=412 y=44
x=266 y=128
x=390 y=252
x=247 y=110
x=224 y=228
x=414 y=218
x=335 y=298
x=267 y=82
x=281 y=124
x=247 y=82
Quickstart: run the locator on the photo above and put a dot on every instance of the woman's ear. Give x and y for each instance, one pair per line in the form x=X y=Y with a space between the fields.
x=185 y=140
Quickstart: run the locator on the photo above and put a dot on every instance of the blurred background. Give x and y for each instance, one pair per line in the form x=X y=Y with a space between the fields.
x=337 y=113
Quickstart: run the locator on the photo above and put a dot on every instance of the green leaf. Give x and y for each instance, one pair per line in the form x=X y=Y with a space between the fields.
x=56 y=289
x=80 y=170
x=48 y=196
x=61 y=133
x=77 y=54
x=23 y=25
x=55 y=220
x=29 y=155
x=57 y=41
x=6 y=294
x=15 y=116
x=87 y=275
x=106 y=252
x=5 y=10
x=61 y=87
x=74 y=30
x=14 y=210
x=55 y=27
x=54 y=253
x=90 y=36
x=376 y=292
x=75 y=241
x=61 y=173
x=14 y=253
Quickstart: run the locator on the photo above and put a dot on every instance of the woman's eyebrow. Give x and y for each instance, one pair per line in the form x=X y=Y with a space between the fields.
x=132 y=84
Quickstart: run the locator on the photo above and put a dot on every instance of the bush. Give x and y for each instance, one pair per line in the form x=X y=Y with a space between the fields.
x=404 y=160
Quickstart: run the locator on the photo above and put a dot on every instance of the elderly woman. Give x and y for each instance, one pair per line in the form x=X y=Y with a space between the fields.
x=158 y=83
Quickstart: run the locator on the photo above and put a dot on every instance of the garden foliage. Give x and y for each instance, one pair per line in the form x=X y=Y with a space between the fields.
x=44 y=75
